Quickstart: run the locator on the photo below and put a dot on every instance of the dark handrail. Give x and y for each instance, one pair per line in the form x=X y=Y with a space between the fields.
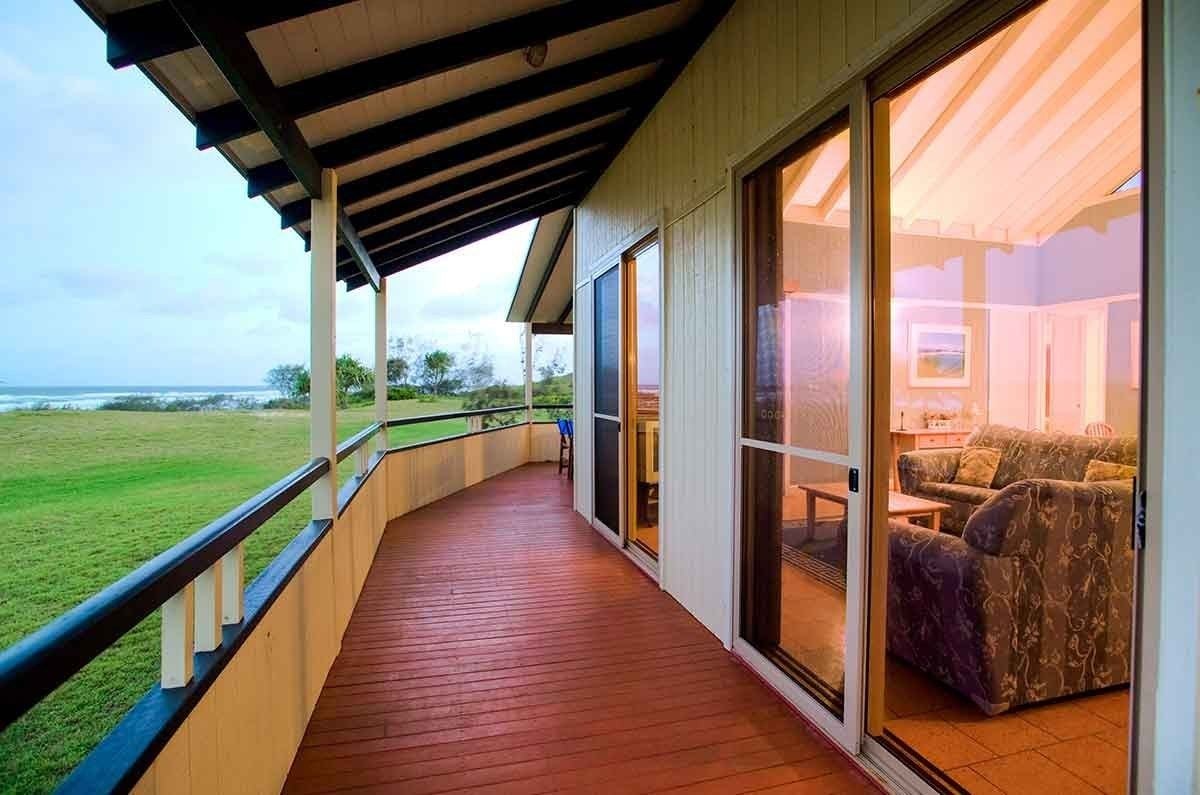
x=552 y=406
x=453 y=415
x=34 y=666
x=347 y=448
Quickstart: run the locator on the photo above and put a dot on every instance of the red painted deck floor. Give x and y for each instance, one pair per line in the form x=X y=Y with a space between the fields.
x=501 y=646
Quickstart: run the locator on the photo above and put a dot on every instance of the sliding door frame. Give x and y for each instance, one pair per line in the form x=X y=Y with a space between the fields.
x=615 y=257
x=948 y=38
x=846 y=732
x=629 y=297
x=941 y=37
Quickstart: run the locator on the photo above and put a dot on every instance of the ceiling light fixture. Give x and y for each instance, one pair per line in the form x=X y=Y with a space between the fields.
x=535 y=54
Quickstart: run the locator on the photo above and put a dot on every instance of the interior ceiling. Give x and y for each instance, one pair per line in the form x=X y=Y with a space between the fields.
x=440 y=118
x=1008 y=142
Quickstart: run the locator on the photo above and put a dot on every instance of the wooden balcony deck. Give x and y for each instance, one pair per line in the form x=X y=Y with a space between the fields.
x=501 y=646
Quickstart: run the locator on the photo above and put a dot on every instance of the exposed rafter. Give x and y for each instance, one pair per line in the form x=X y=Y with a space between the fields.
x=487 y=145
x=463 y=232
x=237 y=61
x=561 y=329
x=546 y=180
x=155 y=29
x=425 y=234
x=406 y=129
x=329 y=89
x=397 y=208
x=566 y=313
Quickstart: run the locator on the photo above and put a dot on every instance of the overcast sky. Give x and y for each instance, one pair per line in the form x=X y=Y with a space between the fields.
x=130 y=258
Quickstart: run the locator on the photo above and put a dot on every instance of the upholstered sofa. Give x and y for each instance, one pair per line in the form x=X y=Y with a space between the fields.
x=1023 y=454
x=1032 y=597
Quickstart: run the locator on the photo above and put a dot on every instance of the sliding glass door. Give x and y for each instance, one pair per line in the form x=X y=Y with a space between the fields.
x=606 y=411
x=801 y=445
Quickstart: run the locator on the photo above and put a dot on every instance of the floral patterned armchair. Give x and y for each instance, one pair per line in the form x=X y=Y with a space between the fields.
x=1034 y=600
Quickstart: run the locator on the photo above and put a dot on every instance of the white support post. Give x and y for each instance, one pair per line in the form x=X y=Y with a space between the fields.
x=381 y=357
x=178 y=630
x=233 y=588
x=362 y=460
x=528 y=372
x=322 y=321
x=207 y=589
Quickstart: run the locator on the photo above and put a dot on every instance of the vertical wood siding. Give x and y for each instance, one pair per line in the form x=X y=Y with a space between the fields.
x=767 y=62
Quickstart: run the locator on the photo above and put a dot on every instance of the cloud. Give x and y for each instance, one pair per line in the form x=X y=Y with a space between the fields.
x=14 y=71
x=466 y=306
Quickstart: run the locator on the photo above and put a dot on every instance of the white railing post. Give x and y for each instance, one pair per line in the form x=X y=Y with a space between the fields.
x=178 y=631
x=233 y=590
x=528 y=372
x=207 y=597
x=381 y=375
x=322 y=320
x=362 y=460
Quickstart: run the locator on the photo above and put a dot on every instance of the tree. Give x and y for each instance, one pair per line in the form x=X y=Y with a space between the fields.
x=290 y=380
x=477 y=369
x=435 y=371
x=351 y=375
x=399 y=366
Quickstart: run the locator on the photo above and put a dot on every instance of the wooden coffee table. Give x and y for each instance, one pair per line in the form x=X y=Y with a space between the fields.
x=900 y=505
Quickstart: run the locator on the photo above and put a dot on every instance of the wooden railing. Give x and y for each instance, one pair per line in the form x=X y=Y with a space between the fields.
x=207 y=613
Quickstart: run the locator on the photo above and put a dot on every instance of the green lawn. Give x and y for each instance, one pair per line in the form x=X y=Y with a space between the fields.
x=87 y=496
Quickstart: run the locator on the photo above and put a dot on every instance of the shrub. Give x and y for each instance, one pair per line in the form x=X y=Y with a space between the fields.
x=286 y=403
x=402 y=393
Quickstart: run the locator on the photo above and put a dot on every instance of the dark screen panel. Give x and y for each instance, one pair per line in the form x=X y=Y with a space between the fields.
x=607 y=293
x=608 y=473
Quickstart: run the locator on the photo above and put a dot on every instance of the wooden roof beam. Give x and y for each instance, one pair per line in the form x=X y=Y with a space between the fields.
x=545 y=180
x=997 y=48
x=153 y=30
x=433 y=229
x=954 y=162
x=487 y=145
x=406 y=129
x=417 y=200
x=323 y=91
x=457 y=241
x=238 y=62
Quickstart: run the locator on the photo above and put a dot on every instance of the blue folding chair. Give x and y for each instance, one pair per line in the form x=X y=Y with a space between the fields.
x=566 y=448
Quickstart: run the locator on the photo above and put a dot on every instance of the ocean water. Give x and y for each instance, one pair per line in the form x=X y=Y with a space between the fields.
x=15 y=398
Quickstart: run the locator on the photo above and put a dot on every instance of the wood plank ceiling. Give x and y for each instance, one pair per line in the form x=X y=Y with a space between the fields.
x=446 y=122
x=1008 y=142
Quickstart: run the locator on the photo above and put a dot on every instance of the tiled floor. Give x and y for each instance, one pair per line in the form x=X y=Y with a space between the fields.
x=501 y=646
x=1073 y=745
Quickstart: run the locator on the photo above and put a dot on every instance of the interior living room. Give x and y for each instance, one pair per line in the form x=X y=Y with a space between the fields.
x=1014 y=407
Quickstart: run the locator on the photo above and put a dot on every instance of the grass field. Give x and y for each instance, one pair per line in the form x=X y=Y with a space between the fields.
x=87 y=496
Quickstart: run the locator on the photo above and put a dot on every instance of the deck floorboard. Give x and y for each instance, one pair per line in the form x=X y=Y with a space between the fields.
x=501 y=646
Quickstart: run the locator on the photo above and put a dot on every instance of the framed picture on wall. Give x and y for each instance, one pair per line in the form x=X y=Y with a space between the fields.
x=939 y=355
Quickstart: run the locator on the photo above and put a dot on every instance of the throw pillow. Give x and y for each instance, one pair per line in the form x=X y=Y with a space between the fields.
x=977 y=466
x=1107 y=470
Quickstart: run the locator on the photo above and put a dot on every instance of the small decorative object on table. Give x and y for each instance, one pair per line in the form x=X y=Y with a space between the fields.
x=940 y=420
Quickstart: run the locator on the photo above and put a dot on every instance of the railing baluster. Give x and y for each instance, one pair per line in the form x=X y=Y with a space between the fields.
x=178 y=631
x=207 y=590
x=362 y=460
x=233 y=589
